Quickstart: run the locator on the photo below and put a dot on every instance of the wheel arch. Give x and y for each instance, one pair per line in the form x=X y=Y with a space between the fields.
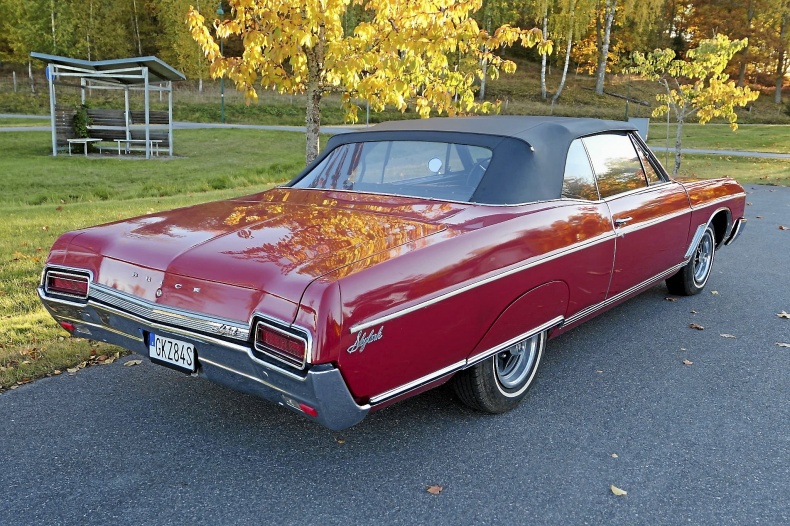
x=541 y=308
x=721 y=221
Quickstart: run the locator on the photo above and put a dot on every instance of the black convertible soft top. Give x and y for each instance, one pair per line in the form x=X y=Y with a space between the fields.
x=528 y=152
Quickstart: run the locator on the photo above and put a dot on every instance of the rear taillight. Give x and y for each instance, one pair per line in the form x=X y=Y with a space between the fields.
x=281 y=344
x=66 y=283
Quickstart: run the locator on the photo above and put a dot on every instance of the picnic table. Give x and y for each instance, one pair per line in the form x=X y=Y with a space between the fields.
x=84 y=141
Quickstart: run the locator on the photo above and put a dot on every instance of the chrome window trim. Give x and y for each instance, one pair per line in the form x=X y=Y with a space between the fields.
x=520 y=267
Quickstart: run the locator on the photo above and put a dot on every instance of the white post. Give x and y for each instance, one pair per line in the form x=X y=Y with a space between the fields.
x=13 y=74
x=170 y=116
x=82 y=90
x=51 y=82
x=127 y=114
x=147 y=117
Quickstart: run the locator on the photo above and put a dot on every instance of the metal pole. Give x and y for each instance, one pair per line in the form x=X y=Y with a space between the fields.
x=170 y=116
x=147 y=117
x=221 y=13
x=50 y=80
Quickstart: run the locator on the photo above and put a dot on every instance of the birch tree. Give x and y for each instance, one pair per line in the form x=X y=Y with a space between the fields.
x=402 y=55
x=697 y=86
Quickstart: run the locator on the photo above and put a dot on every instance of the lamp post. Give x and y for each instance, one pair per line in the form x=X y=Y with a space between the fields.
x=221 y=14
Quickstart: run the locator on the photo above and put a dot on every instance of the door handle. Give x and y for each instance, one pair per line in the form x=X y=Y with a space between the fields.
x=621 y=221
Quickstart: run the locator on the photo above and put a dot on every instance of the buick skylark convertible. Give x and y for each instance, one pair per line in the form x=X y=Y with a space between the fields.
x=405 y=256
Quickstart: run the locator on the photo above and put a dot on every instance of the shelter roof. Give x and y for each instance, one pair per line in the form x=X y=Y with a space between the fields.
x=112 y=70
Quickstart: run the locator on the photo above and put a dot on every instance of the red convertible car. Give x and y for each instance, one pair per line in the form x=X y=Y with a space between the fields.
x=405 y=256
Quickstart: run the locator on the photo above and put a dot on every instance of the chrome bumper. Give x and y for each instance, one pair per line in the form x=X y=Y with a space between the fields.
x=320 y=387
x=737 y=228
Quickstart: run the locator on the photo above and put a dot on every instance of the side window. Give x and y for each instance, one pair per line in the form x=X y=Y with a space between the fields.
x=579 y=180
x=615 y=163
x=650 y=172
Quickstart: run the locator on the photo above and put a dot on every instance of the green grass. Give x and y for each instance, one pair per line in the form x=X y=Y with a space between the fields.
x=206 y=160
x=748 y=137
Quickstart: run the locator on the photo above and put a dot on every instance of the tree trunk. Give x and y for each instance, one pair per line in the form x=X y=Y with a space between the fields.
x=137 y=28
x=484 y=65
x=609 y=9
x=780 y=61
x=315 y=66
x=52 y=24
x=543 y=57
x=30 y=76
x=567 y=53
x=678 y=139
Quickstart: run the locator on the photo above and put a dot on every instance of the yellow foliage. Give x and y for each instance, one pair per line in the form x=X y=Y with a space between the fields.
x=422 y=52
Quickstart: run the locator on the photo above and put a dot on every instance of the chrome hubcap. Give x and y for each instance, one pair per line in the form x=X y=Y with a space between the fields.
x=514 y=364
x=703 y=257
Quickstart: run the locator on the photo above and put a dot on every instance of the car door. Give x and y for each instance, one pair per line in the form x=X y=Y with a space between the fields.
x=650 y=213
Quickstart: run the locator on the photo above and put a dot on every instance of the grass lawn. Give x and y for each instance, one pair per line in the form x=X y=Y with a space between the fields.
x=748 y=137
x=42 y=197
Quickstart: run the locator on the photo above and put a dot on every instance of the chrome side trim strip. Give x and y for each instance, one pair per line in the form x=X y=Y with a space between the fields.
x=695 y=240
x=490 y=352
x=549 y=257
x=163 y=314
x=463 y=364
x=392 y=393
x=656 y=220
x=736 y=231
x=614 y=299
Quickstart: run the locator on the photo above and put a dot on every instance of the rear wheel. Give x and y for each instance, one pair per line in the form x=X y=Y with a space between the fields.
x=691 y=279
x=498 y=384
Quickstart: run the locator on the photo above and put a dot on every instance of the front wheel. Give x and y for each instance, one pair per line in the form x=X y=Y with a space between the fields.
x=498 y=384
x=691 y=279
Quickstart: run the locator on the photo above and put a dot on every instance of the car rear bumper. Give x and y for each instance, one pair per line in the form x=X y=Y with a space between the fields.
x=320 y=388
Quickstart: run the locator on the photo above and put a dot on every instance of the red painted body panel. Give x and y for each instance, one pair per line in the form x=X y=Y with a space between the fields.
x=654 y=239
x=453 y=277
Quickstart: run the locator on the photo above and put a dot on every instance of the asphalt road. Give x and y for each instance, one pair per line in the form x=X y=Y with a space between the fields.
x=707 y=443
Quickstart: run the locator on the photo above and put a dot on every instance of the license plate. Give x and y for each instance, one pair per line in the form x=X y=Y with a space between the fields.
x=173 y=353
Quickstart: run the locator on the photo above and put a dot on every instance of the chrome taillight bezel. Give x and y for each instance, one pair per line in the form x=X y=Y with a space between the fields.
x=67 y=274
x=284 y=331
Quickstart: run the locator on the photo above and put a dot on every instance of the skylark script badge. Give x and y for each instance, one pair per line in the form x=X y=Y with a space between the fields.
x=364 y=339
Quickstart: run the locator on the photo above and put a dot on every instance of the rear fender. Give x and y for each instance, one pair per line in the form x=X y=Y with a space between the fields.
x=542 y=307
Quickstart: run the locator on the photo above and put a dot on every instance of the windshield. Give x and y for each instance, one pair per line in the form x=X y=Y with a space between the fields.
x=438 y=170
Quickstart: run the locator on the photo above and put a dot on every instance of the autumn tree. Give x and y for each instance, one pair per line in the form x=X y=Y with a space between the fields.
x=402 y=53
x=697 y=86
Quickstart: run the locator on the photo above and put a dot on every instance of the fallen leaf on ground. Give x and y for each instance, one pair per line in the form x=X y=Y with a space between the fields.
x=782 y=227
x=614 y=455
x=599 y=371
x=715 y=292
x=693 y=311
x=696 y=326
x=57 y=371
x=727 y=335
x=688 y=362
x=72 y=370
x=782 y=344
x=784 y=314
x=758 y=217
x=669 y=298
x=617 y=491
x=132 y=362
x=340 y=440
x=434 y=490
